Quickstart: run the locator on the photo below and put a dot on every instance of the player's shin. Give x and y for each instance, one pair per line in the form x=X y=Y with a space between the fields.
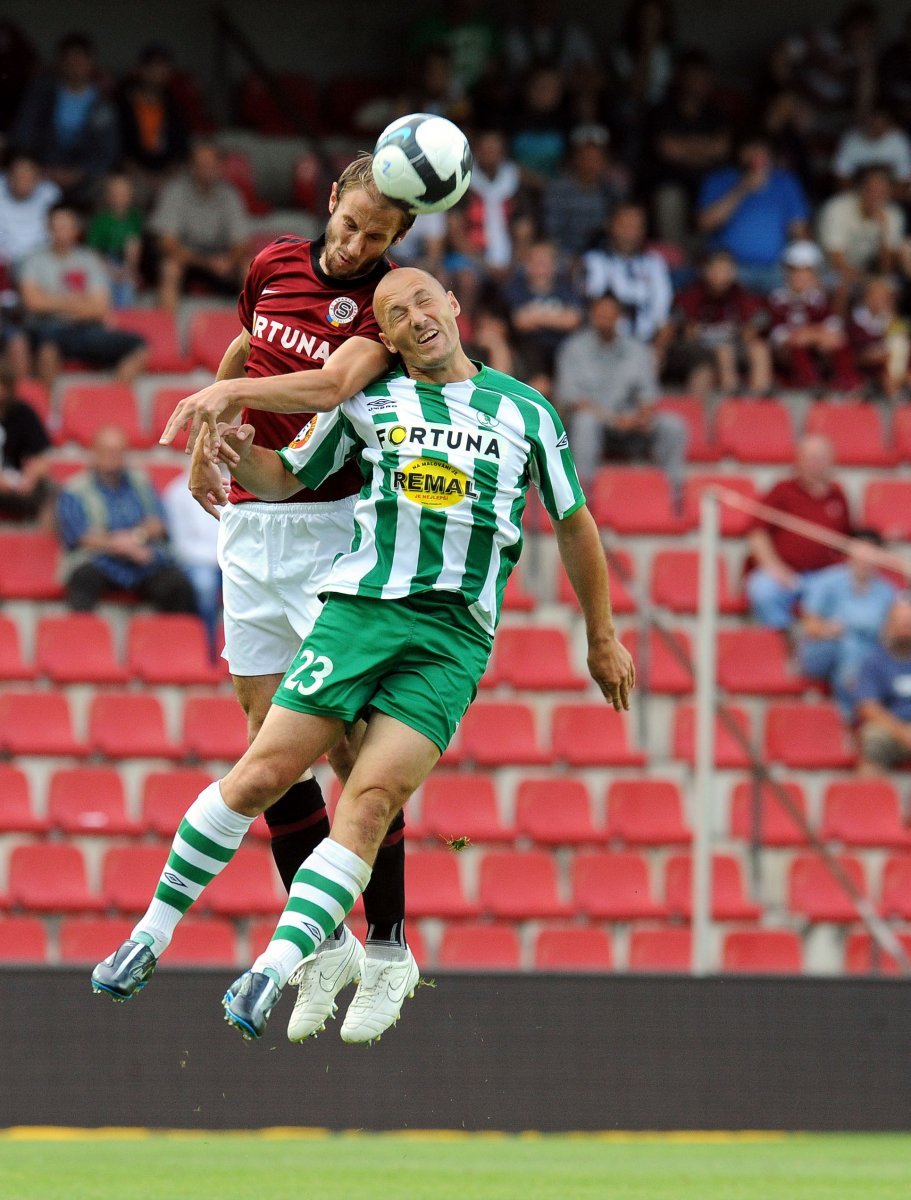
x=384 y=896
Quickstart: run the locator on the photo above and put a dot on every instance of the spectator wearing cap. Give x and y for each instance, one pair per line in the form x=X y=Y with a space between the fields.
x=883 y=695
x=154 y=132
x=544 y=307
x=606 y=387
x=782 y=563
x=577 y=204
x=843 y=610
x=752 y=210
x=808 y=338
x=26 y=198
x=862 y=229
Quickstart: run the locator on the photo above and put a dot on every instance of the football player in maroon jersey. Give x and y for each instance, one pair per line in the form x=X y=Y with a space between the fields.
x=308 y=340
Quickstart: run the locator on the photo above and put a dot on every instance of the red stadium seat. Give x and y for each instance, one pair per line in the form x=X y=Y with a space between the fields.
x=86 y=408
x=129 y=876
x=755 y=431
x=29 y=566
x=593 y=735
x=17 y=813
x=89 y=800
x=701 y=446
x=77 y=648
x=729 y=752
x=434 y=885
x=516 y=597
x=203 y=942
x=12 y=665
x=477 y=947
x=458 y=804
x=536 y=658
x=129 y=725
x=573 y=948
x=554 y=812
x=734 y=522
x=756 y=662
x=896 y=887
x=36 y=395
x=248 y=884
x=634 y=500
x=613 y=887
x=776 y=824
x=159 y=329
x=855 y=431
x=864 y=812
x=166 y=796
x=901 y=432
x=37 y=723
x=815 y=893
x=646 y=812
x=665 y=949
x=808 y=737
x=675 y=583
x=162 y=474
x=238 y=170
x=170 y=649
x=519 y=884
x=23 y=940
x=49 y=877
x=90 y=939
x=259 y=110
x=729 y=898
x=214 y=727
x=211 y=332
x=862 y=957
x=494 y=735
x=621 y=572
x=762 y=952
x=665 y=667
x=887 y=508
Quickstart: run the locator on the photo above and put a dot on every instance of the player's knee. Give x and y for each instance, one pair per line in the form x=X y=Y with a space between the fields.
x=371 y=811
x=259 y=782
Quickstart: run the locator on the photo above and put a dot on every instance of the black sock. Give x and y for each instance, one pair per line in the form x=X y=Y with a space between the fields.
x=298 y=822
x=384 y=896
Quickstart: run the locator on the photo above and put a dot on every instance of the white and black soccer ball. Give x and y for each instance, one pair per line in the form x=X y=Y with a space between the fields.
x=424 y=161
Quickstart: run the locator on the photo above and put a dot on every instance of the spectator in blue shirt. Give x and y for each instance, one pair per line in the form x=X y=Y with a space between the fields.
x=112 y=527
x=844 y=609
x=753 y=211
x=543 y=306
x=884 y=695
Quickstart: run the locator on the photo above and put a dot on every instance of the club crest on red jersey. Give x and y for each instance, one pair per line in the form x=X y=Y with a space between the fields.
x=342 y=311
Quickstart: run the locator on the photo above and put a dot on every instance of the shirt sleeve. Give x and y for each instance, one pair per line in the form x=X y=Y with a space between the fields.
x=797 y=206
x=71 y=519
x=35 y=439
x=551 y=466
x=818 y=599
x=166 y=216
x=714 y=186
x=871 y=684
x=321 y=448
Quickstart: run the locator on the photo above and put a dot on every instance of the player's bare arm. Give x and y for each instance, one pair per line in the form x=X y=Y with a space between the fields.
x=348 y=369
x=260 y=471
x=609 y=662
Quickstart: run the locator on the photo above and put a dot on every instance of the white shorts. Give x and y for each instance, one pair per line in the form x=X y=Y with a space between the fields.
x=274 y=560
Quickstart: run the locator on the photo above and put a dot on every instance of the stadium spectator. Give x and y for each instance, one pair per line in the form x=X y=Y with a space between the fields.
x=194 y=543
x=202 y=229
x=638 y=277
x=836 y=65
x=540 y=125
x=112 y=528
x=25 y=487
x=808 y=337
x=861 y=230
x=877 y=141
x=884 y=696
x=843 y=609
x=465 y=31
x=720 y=342
x=752 y=210
x=543 y=36
x=495 y=183
x=578 y=203
x=641 y=63
x=879 y=338
x=153 y=129
x=688 y=135
x=25 y=201
x=606 y=387
x=115 y=232
x=782 y=563
x=66 y=297
x=544 y=308
x=68 y=124
x=435 y=88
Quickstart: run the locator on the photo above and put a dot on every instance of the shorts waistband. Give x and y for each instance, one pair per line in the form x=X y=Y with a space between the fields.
x=314 y=508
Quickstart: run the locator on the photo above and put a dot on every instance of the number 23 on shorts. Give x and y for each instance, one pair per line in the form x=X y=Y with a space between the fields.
x=313 y=667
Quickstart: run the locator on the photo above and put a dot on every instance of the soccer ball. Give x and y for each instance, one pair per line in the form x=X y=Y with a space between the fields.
x=424 y=161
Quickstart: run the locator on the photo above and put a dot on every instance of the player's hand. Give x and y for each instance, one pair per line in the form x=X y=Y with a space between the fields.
x=206 y=484
x=611 y=667
x=235 y=443
x=202 y=409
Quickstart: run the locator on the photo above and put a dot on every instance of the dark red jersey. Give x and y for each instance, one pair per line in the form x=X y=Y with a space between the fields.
x=789 y=310
x=719 y=316
x=296 y=316
x=830 y=510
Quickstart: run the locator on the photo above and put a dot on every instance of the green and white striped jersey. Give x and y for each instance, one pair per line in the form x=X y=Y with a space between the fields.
x=446 y=468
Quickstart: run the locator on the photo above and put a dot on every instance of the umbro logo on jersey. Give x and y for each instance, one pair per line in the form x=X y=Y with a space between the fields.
x=563 y=442
x=381 y=404
x=342 y=311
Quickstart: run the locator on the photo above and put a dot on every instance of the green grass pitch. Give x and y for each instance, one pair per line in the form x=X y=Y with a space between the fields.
x=288 y=1165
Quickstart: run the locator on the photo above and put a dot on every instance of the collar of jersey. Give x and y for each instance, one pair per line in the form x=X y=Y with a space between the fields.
x=402 y=370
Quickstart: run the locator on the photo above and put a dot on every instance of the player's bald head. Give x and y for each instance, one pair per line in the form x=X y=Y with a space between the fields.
x=397 y=286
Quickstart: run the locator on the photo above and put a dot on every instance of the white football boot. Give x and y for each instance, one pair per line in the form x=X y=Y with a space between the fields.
x=380 y=995
x=319 y=979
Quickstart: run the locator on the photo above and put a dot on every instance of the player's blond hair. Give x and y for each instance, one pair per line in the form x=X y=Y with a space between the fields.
x=359 y=174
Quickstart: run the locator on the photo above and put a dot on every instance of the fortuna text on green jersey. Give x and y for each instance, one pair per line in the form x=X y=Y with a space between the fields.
x=446 y=469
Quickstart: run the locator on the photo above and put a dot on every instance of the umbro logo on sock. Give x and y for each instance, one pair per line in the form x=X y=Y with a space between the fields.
x=174 y=880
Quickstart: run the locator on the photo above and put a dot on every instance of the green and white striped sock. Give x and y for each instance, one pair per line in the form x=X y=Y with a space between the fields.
x=322 y=894
x=203 y=846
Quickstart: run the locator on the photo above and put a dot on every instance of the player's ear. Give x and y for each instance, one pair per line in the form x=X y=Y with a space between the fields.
x=333 y=198
x=453 y=303
x=387 y=343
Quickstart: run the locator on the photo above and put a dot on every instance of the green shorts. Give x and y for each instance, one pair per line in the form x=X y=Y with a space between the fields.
x=419 y=659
